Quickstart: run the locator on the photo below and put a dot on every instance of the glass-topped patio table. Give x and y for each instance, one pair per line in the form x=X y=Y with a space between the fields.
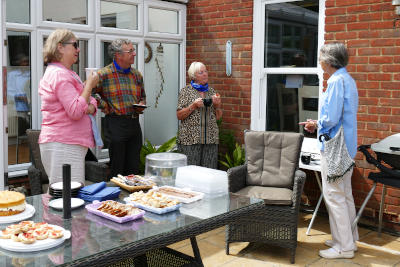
x=98 y=241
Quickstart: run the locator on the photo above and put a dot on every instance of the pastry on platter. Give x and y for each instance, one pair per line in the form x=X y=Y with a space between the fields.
x=11 y=203
x=28 y=232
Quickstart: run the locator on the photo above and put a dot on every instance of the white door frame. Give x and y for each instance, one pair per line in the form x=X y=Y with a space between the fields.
x=259 y=72
x=3 y=110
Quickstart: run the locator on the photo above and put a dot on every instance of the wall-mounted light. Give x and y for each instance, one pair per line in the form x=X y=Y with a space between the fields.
x=228 y=54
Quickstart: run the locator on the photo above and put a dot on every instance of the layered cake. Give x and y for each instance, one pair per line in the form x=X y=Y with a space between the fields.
x=11 y=203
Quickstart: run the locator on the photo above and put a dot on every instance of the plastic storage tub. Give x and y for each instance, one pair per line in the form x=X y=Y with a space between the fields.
x=208 y=181
x=162 y=167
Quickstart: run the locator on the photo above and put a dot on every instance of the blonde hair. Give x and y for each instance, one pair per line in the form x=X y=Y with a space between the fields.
x=194 y=68
x=50 y=51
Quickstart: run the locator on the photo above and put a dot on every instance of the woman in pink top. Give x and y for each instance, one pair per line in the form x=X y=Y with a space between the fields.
x=66 y=130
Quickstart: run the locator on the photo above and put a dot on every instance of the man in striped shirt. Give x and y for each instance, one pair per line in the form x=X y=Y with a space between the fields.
x=120 y=87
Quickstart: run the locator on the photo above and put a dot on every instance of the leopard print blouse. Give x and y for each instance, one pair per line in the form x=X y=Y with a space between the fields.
x=200 y=127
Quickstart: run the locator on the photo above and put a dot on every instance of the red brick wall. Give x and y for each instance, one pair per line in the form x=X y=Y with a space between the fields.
x=366 y=26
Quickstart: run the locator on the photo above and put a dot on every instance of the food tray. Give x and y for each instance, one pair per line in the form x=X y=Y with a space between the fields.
x=101 y=222
x=9 y=244
x=152 y=209
x=198 y=195
x=93 y=209
x=131 y=188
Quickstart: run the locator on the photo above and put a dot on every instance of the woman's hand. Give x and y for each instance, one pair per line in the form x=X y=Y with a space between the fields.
x=216 y=100
x=93 y=79
x=309 y=125
x=198 y=103
x=91 y=109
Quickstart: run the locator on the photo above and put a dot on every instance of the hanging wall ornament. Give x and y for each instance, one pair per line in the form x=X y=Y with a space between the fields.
x=160 y=70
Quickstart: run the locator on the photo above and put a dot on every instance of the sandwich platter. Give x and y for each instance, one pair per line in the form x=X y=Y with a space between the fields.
x=38 y=245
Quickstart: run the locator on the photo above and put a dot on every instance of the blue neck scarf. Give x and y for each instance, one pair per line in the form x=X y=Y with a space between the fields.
x=118 y=67
x=199 y=87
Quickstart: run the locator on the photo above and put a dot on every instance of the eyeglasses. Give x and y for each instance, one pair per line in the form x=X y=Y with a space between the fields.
x=128 y=51
x=75 y=44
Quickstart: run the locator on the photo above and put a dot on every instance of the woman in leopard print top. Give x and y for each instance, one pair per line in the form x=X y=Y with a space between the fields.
x=198 y=110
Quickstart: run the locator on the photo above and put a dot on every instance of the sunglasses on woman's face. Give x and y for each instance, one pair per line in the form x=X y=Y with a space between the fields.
x=75 y=44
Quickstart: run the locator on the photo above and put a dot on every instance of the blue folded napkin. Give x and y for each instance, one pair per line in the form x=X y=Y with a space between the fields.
x=93 y=188
x=107 y=193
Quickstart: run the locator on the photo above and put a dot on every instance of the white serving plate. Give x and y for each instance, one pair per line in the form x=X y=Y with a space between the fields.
x=198 y=195
x=27 y=213
x=58 y=203
x=38 y=245
x=152 y=209
x=59 y=185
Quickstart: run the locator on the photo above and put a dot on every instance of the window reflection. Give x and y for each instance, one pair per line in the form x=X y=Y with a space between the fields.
x=75 y=11
x=291 y=98
x=18 y=11
x=117 y=15
x=161 y=20
x=291 y=37
x=18 y=96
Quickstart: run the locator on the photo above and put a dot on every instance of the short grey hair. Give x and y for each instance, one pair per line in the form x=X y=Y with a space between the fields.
x=334 y=54
x=194 y=68
x=116 y=46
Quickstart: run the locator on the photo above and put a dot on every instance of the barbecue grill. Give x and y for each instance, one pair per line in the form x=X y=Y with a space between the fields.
x=387 y=151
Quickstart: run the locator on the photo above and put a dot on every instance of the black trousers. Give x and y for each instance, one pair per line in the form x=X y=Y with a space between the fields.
x=125 y=141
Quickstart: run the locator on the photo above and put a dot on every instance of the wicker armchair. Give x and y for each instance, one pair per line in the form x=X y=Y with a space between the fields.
x=94 y=171
x=270 y=173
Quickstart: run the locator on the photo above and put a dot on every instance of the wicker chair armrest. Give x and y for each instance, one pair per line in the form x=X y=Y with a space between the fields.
x=35 y=182
x=237 y=178
x=299 y=181
x=96 y=171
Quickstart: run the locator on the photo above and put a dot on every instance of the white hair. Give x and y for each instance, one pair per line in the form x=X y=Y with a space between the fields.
x=194 y=68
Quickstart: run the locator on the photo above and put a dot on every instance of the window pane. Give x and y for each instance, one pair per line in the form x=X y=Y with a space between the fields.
x=291 y=99
x=291 y=37
x=18 y=96
x=161 y=20
x=18 y=11
x=161 y=79
x=117 y=15
x=58 y=10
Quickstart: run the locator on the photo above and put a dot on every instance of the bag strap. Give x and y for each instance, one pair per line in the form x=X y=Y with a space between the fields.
x=326 y=136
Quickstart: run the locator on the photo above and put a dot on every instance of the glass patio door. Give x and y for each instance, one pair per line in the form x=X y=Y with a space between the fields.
x=287 y=77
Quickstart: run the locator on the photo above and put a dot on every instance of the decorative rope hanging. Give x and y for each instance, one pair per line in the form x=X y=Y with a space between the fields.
x=160 y=68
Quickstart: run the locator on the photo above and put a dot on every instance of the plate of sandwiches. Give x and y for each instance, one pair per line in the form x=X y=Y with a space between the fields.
x=133 y=182
x=13 y=207
x=180 y=194
x=28 y=236
x=152 y=201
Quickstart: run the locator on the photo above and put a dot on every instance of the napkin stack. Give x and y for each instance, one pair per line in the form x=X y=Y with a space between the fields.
x=99 y=192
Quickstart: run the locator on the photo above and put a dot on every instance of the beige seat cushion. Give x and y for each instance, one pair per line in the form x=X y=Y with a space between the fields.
x=272 y=158
x=271 y=195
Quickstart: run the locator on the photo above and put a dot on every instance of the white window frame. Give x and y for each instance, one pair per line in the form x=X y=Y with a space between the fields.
x=166 y=6
x=259 y=72
x=113 y=31
x=89 y=27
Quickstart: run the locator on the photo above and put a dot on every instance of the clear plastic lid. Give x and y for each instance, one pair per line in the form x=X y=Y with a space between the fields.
x=166 y=160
